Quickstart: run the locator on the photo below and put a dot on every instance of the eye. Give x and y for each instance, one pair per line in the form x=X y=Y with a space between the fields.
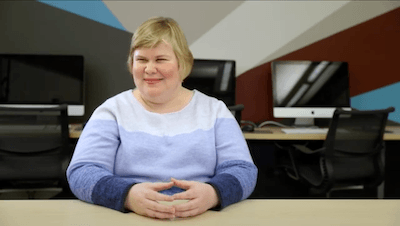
x=161 y=59
x=141 y=59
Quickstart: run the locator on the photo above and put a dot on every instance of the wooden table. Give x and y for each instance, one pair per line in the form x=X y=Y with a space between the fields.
x=248 y=212
x=277 y=134
x=270 y=135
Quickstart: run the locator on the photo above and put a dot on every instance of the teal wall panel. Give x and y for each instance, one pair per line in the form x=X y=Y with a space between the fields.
x=380 y=98
x=95 y=10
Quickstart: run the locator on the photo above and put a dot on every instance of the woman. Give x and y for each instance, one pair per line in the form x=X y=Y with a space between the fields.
x=161 y=142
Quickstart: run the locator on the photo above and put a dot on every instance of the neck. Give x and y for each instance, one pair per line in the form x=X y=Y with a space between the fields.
x=175 y=103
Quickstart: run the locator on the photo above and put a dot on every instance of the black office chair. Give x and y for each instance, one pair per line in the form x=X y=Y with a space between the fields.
x=236 y=110
x=351 y=157
x=34 y=149
x=216 y=78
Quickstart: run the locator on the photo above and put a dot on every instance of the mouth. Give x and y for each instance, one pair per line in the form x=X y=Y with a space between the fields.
x=152 y=80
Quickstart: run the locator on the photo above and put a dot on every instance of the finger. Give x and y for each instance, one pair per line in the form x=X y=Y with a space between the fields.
x=190 y=213
x=181 y=183
x=156 y=196
x=159 y=215
x=162 y=186
x=158 y=207
x=191 y=205
x=183 y=195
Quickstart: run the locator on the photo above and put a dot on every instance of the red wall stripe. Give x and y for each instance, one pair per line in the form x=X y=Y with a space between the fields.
x=372 y=50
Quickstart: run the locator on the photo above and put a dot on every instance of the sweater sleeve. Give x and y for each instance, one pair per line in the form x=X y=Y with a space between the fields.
x=91 y=170
x=235 y=175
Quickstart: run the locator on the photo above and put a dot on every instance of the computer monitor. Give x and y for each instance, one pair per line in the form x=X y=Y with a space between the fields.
x=216 y=78
x=42 y=81
x=305 y=90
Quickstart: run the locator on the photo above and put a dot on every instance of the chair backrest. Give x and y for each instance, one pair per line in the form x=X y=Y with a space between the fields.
x=34 y=143
x=216 y=78
x=354 y=145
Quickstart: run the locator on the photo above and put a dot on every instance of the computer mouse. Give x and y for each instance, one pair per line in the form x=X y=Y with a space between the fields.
x=248 y=128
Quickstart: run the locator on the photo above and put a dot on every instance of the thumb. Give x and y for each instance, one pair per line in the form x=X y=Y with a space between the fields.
x=162 y=186
x=181 y=183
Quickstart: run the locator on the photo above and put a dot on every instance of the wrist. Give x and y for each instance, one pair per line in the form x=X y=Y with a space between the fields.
x=127 y=202
x=214 y=195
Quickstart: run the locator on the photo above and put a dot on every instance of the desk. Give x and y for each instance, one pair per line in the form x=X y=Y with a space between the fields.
x=262 y=148
x=277 y=134
x=75 y=131
x=248 y=212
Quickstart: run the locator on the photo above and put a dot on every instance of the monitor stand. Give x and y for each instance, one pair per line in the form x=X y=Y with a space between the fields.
x=304 y=122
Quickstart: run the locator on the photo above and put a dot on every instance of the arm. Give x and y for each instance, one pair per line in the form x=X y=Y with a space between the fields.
x=90 y=173
x=235 y=174
x=92 y=179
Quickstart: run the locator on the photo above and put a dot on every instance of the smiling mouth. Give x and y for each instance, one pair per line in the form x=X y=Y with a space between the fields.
x=152 y=80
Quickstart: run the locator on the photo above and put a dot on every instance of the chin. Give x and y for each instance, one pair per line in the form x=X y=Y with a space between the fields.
x=154 y=94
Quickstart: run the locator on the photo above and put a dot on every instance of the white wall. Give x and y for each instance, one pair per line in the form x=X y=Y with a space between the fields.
x=257 y=32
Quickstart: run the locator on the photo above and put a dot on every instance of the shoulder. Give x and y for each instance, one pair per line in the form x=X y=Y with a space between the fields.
x=203 y=98
x=211 y=105
x=113 y=106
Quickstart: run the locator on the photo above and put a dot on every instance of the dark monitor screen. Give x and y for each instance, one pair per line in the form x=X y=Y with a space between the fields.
x=308 y=88
x=216 y=78
x=41 y=79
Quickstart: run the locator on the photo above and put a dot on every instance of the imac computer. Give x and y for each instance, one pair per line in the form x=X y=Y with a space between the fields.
x=305 y=90
x=42 y=81
x=216 y=78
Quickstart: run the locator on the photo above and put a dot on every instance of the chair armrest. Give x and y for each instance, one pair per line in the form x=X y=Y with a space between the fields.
x=292 y=165
x=305 y=149
x=293 y=150
x=237 y=107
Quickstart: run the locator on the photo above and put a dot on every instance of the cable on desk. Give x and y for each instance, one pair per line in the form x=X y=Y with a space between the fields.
x=248 y=122
x=272 y=123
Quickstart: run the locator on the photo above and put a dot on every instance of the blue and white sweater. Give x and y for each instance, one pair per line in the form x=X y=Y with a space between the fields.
x=123 y=144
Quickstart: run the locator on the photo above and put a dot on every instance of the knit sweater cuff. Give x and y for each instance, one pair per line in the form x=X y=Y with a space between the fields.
x=111 y=192
x=228 y=189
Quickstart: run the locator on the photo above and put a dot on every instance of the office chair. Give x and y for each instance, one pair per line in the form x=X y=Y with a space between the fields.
x=351 y=156
x=34 y=149
x=216 y=78
x=236 y=110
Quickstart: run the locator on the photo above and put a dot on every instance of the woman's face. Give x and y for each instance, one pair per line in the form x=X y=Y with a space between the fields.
x=156 y=73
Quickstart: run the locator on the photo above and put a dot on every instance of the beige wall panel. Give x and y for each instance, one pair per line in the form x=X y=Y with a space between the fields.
x=195 y=17
x=351 y=14
x=258 y=28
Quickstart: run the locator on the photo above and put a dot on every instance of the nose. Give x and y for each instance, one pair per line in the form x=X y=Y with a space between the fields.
x=150 y=68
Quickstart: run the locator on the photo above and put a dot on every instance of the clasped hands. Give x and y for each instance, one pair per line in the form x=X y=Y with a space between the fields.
x=144 y=198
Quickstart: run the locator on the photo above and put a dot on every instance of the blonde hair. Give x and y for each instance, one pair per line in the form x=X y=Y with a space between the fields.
x=163 y=29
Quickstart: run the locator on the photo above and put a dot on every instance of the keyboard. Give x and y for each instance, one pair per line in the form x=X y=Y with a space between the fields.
x=305 y=130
